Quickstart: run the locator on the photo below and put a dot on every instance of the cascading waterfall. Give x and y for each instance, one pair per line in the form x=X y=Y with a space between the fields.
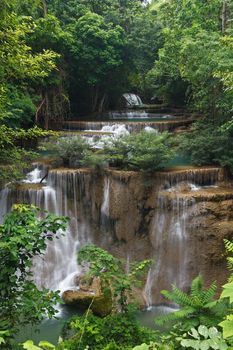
x=132 y=100
x=59 y=260
x=169 y=231
x=109 y=210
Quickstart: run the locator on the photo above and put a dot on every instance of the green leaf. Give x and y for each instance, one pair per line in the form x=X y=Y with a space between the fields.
x=194 y=333
x=203 y=330
x=204 y=345
x=227 y=291
x=141 y=347
x=227 y=327
x=46 y=345
x=29 y=345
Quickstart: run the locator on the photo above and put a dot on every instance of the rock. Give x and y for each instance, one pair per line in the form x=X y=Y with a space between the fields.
x=92 y=295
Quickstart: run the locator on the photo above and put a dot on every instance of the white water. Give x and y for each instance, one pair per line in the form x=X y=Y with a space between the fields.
x=168 y=237
x=129 y=115
x=34 y=176
x=106 y=198
x=59 y=260
x=132 y=100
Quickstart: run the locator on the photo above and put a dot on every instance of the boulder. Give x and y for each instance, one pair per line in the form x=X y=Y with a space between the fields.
x=90 y=294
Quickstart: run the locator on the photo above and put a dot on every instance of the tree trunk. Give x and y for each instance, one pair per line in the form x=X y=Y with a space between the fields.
x=95 y=96
x=45 y=7
x=46 y=114
x=224 y=15
x=38 y=110
x=101 y=104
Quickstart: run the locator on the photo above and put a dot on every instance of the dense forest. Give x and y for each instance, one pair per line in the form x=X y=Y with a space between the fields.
x=67 y=59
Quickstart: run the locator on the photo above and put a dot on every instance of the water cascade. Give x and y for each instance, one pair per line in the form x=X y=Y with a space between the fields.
x=164 y=124
x=132 y=100
x=166 y=217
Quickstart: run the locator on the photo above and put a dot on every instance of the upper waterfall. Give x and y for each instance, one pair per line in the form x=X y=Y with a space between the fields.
x=132 y=100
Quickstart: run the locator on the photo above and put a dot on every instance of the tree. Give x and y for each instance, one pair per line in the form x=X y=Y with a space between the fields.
x=97 y=50
x=19 y=65
x=193 y=55
x=23 y=236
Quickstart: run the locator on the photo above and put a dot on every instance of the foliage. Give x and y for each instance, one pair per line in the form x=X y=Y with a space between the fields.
x=43 y=345
x=117 y=331
x=196 y=307
x=196 y=56
x=142 y=151
x=112 y=272
x=19 y=65
x=204 y=339
x=23 y=236
x=14 y=159
x=227 y=294
x=75 y=152
x=208 y=144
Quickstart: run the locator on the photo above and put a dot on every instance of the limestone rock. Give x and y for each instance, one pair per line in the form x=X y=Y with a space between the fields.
x=93 y=294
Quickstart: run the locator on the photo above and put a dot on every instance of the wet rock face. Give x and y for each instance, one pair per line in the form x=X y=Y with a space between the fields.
x=170 y=217
x=182 y=228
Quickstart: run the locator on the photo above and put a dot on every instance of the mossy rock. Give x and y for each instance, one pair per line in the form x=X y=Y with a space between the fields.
x=98 y=298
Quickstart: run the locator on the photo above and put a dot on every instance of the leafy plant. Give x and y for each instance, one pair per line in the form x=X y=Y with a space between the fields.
x=23 y=236
x=227 y=294
x=204 y=338
x=142 y=151
x=43 y=345
x=116 y=331
x=196 y=307
x=208 y=145
x=75 y=152
x=112 y=272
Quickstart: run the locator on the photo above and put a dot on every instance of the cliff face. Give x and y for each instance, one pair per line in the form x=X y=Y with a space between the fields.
x=177 y=218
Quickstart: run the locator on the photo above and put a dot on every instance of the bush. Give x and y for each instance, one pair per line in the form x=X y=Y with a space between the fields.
x=118 y=331
x=209 y=145
x=143 y=151
x=76 y=152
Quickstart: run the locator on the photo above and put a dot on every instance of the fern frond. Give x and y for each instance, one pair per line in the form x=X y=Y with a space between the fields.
x=197 y=285
x=208 y=294
x=175 y=316
x=230 y=263
x=228 y=246
x=177 y=296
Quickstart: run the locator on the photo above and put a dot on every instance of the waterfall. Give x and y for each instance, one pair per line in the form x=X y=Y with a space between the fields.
x=132 y=100
x=59 y=260
x=168 y=238
x=131 y=216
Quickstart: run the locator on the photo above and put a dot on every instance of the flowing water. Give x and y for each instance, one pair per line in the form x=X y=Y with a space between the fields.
x=101 y=208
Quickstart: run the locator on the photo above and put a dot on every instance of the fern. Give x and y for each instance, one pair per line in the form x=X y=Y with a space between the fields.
x=228 y=246
x=208 y=294
x=175 y=316
x=229 y=251
x=177 y=296
x=196 y=305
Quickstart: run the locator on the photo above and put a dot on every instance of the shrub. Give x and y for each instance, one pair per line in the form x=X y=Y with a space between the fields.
x=143 y=151
x=23 y=236
x=209 y=145
x=112 y=272
x=75 y=152
x=117 y=331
